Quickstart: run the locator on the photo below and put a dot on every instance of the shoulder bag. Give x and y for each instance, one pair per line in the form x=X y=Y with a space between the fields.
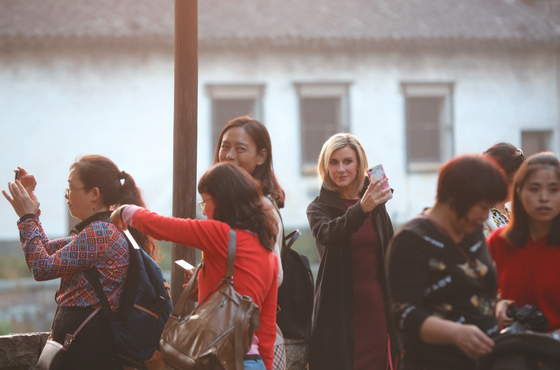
x=218 y=333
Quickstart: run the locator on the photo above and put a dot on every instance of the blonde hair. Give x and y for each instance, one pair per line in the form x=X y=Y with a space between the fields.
x=339 y=141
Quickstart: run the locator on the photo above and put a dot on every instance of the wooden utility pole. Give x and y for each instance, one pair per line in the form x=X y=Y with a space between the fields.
x=185 y=129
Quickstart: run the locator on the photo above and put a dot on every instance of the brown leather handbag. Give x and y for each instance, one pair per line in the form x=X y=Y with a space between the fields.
x=218 y=333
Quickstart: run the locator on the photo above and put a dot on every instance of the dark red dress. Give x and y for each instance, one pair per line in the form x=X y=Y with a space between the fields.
x=370 y=324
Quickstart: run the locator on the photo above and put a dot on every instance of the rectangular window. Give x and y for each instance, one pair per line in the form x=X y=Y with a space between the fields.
x=231 y=101
x=323 y=113
x=536 y=141
x=429 y=129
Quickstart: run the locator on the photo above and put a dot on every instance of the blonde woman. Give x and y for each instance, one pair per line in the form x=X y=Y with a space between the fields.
x=351 y=228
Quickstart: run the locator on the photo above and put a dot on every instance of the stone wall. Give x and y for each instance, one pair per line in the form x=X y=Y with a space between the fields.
x=21 y=351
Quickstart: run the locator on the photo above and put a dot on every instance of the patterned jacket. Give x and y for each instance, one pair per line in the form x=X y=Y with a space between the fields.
x=97 y=243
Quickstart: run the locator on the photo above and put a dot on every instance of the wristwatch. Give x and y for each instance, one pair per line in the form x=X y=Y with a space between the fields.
x=555 y=335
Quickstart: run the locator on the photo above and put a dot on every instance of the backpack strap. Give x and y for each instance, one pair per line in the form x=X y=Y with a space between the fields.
x=92 y=275
x=291 y=238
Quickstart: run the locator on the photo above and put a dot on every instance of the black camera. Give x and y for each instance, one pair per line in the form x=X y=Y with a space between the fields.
x=526 y=318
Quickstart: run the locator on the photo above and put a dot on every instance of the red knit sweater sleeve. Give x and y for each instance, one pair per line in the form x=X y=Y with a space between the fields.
x=194 y=233
x=255 y=276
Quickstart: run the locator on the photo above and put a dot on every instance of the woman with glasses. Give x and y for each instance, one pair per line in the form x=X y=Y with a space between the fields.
x=230 y=199
x=95 y=187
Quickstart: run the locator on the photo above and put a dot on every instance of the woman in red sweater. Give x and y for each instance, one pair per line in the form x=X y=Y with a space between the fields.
x=230 y=199
x=527 y=251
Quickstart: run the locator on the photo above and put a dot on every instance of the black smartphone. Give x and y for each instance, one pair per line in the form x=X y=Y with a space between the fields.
x=17 y=175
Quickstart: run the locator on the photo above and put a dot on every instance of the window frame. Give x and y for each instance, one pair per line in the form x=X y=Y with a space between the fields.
x=546 y=134
x=326 y=90
x=443 y=90
x=234 y=91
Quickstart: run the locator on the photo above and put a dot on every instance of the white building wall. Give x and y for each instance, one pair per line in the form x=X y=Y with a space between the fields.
x=497 y=93
x=59 y=103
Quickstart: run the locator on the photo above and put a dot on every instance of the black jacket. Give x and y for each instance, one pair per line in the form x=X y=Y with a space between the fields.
x=429 y=276
x=332 y=338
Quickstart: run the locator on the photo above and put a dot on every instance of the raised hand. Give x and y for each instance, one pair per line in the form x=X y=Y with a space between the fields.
x=116 y=218
x=22 y=201
x=27 y=180
x=374 y=196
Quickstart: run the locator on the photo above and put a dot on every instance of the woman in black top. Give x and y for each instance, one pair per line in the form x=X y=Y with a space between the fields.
x=352 y=229
x=441 y=276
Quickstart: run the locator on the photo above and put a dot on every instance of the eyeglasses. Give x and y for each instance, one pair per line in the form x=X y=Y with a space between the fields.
x=68 y=190
x=202 y=203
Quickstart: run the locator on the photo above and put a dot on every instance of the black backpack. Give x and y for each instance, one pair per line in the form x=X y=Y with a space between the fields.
x=295 y=295
x=144 y=309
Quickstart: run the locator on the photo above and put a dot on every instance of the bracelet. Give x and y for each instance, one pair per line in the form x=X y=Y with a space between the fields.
x=555 y=335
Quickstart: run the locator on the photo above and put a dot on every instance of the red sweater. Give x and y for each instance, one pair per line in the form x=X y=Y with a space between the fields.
x=255 y=271
x=529 y=275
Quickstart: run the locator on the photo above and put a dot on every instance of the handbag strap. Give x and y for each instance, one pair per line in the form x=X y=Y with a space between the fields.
x=231 y=254
x=181 y=306
x=70 y=337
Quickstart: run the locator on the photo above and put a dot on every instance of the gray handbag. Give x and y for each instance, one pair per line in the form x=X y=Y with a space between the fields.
x=52 y=355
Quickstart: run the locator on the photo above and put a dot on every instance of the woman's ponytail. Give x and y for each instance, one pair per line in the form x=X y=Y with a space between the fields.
x=129 y=192
x=117 y=188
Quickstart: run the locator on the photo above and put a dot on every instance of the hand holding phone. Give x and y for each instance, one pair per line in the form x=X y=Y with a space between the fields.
x=184 y=264
x=27 y=180
x=188 y=275
x=376 y=173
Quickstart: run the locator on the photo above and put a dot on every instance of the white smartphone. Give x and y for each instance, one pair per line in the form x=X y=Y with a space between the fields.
x=184 y=264
x=377 y=173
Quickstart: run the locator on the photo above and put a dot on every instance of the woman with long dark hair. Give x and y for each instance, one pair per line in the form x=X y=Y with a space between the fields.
x=95 y=187
x=527 y=251
x=442 y=279
x=245 y=142
x=230 y=199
